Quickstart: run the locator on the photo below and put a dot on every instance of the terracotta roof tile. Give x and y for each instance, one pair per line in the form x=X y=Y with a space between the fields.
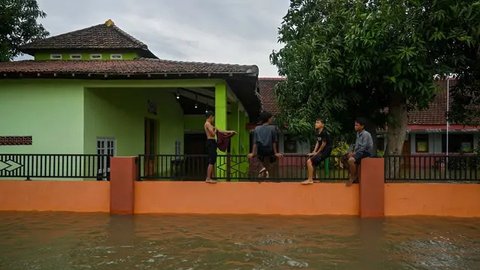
x=103 y=36
x=122 y=67
x=267 y=94
x=435 y=114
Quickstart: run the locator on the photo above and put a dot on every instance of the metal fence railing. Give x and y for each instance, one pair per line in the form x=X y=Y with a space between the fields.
x=235 y=168
x=432 y=168
x=55 y=166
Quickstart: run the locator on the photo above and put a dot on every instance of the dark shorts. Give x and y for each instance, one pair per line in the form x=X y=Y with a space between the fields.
x=359 y=155
x=320 y=157
x=212 y=151
x=266 y=153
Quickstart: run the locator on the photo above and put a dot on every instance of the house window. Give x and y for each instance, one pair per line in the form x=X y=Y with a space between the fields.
x=457 y=143
x=105 y=146
x=421 y=143
x=289 y=145
x=75 y=56
x=116 y=56
x=95 y=56
x=55 y=56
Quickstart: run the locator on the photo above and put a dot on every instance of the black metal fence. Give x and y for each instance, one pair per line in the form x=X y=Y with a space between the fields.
x=55 y=166
x=432 y=168
x=235 y=168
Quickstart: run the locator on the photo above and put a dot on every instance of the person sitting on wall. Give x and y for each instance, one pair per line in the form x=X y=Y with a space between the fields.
x=322 y=150
x=361 y=149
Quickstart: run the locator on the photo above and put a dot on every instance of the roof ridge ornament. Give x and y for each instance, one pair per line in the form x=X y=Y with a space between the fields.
x=109 y=23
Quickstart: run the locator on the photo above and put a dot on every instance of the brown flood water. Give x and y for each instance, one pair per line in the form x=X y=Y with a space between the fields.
x=44 y=240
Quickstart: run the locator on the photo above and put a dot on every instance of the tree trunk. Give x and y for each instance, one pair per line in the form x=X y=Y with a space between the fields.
x=396 y=131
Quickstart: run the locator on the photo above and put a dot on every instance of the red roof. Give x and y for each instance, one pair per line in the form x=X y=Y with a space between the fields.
x=434 y=115
x=267 y=94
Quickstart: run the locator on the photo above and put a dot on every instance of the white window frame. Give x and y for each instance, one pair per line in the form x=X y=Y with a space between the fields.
x=96 y=56
x=105 y=146
x=75 y=56
x=116 y=56
x=55 y=56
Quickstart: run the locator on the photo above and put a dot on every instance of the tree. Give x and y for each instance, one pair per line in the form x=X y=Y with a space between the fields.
x=375 y=58
x=18 y=25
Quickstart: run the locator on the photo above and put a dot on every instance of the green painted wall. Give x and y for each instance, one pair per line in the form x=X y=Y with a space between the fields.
x=67 y=116
x=86 y=56
x=120 y=113
x=49 y=111
x=194 y=123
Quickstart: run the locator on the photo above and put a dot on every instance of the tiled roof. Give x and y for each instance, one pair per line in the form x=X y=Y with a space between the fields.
x=104 y=36
x=435 y=114
x=267 y=94
x=121 y=67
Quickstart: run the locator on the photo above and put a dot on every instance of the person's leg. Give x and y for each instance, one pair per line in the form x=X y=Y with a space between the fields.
x=212 y=158
x=352 y=167
x=310 y=171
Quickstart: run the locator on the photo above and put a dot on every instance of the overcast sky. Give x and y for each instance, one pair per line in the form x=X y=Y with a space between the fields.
x=218 y=31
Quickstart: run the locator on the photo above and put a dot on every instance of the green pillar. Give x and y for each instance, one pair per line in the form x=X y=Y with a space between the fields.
x=233 y=124
x=222 y=168
x=221 y=106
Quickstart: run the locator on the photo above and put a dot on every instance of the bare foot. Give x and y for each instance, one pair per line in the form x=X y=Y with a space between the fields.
x=210 y=181
x=307 y=182
x=349 y=182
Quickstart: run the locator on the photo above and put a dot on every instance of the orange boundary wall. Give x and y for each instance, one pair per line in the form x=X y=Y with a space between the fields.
x=246 y=198
x=78 y=196
x=372 y=198
x=454 y=200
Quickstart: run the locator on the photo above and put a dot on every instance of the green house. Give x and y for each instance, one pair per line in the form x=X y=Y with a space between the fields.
x=99 y=90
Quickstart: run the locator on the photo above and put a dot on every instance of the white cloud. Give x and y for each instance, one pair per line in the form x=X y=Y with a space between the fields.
x=228 y=31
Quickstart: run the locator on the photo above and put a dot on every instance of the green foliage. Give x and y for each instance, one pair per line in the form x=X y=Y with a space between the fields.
x=18 y=25
x=349 y=58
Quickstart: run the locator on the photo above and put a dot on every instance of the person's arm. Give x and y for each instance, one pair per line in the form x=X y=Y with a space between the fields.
x=314 y=152
x=254 y=151
x=254 y=147
x=275 y=144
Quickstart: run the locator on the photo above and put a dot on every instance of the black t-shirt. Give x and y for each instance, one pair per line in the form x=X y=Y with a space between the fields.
x=325 y=137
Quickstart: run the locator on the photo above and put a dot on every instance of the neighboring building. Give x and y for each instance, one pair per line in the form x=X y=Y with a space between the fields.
x=100 y=90
x=427 y=129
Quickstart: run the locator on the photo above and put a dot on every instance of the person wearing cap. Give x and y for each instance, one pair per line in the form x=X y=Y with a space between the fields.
x=363 y=148
x=265 y=143
x=211 y=145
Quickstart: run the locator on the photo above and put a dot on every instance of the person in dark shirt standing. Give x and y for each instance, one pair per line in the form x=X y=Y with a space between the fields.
x=363 y=148
x=322 y=150
x=265 y=143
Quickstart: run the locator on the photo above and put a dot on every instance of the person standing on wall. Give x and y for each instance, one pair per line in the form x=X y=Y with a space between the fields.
x=210 y=132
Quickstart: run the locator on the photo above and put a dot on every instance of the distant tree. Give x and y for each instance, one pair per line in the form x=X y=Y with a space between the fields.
x=376 y=58
x=18 y=25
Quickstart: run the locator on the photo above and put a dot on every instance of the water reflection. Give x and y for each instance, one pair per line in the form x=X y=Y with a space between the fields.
x=100 y=241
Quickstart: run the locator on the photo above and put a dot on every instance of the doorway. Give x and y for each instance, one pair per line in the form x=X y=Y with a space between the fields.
x=151 y=132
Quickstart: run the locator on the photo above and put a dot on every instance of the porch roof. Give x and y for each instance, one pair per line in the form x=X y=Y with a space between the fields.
x=242 y=79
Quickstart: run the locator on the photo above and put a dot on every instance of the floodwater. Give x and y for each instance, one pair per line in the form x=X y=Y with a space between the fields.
x=44 y=240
